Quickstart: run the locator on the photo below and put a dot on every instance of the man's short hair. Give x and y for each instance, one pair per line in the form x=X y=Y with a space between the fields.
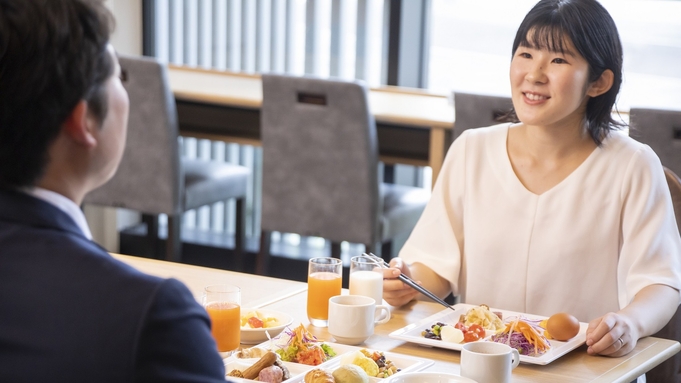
x=53 y=53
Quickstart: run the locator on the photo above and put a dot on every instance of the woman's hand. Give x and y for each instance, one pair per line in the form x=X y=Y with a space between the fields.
x=613 y=334
x=396 y=292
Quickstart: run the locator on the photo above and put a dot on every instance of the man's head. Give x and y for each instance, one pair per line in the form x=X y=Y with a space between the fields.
x=53 y=56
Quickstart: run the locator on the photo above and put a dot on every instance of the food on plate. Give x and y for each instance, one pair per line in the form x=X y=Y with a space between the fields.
x=350 y=373
x=525 y=336
x=483 y=316
x=275 y=371
x=459 y=333
x=318 y=375
x=256 y=319
x=303 y=347
x=561 y=326
x=252 y=352
x=374 y=363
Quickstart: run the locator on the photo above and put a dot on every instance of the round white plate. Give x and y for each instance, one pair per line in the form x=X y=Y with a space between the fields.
x=428 y=377
x=258 y=335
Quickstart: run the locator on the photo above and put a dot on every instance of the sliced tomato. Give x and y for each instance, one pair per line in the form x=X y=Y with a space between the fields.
x=470 y=336
x=476 y=328
x=255 y=322
x=461 y=326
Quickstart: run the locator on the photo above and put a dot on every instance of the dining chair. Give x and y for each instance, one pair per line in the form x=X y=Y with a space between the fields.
x=320 y=168
x=152 y=177
x=661 y=130
x=669 y=371
x=478 y=110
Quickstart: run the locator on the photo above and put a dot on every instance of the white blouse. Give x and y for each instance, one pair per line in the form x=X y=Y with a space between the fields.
x=585 y=247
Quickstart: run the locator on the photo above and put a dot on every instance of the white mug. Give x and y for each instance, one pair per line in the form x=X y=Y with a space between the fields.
x=488 y=362
x=351 y=317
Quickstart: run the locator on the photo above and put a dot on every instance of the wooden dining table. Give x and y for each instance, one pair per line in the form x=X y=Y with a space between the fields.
x=291 y=297
x=414 y=126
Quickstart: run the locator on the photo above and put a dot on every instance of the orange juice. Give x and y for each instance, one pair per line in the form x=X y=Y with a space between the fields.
x=320 y=287
x=225 y=324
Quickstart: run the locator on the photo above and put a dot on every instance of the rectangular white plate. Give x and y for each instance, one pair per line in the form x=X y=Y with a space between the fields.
x=405 y=363
x=412 y=333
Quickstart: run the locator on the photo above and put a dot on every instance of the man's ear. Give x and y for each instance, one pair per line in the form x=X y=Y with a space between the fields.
x=79 y=125
x=602 y=84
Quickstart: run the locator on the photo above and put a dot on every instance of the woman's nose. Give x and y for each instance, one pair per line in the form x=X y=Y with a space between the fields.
x=536 y=74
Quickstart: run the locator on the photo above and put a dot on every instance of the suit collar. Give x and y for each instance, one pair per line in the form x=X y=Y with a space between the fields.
x=23 y=209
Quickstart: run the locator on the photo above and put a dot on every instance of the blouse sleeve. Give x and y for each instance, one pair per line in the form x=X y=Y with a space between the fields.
x=437 y=238
x=651 y=246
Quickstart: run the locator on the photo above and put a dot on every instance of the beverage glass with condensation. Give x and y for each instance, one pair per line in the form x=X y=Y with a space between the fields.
x=223 y=304
x=324 y=279
x=366 y=278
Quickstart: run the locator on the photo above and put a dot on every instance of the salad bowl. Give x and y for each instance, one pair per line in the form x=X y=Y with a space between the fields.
x=273 y=322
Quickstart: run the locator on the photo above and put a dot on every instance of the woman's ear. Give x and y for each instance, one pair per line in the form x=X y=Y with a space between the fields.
x=602 y=84
x=79 y=125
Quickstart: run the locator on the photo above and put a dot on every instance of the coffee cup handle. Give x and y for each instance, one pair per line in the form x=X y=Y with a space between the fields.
x=516 y=358
x=385 y=314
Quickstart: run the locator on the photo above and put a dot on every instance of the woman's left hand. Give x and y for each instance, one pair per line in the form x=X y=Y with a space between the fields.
x=613 y=334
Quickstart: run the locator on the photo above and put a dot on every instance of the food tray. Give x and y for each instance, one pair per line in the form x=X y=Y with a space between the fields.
x=412 y=333
x=406 y=363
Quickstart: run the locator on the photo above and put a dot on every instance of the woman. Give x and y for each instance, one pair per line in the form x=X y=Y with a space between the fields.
x=559 y=212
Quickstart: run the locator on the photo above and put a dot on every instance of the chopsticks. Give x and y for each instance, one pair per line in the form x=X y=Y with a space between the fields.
x=382 y=263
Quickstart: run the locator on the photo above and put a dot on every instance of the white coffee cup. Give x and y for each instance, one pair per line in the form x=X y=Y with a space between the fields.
x=488 y=362
x=351 y=317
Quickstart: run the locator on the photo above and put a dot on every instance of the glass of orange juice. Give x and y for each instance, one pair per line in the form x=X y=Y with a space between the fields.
x=323 y=281
x=223 y=304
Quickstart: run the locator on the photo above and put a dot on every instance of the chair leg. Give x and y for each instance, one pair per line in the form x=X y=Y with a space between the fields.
x=239 y=234
x=387 y=251
x=336 y=250
x=262 y=261
x=173 y=241
x=151 y=249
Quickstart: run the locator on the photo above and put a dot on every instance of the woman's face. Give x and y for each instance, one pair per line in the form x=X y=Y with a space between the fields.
x=549 y=89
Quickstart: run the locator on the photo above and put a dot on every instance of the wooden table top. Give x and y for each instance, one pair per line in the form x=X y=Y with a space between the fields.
x=256 y=291
x=393 y=105
x=577 y=366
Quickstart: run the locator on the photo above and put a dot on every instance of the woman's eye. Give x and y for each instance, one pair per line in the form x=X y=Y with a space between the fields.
x=559 y=60
x=525 y=55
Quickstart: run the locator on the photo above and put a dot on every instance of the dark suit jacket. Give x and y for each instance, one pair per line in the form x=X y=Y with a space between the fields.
x=69 y=312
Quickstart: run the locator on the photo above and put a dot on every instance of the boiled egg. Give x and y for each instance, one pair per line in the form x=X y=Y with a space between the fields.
x=562 y=326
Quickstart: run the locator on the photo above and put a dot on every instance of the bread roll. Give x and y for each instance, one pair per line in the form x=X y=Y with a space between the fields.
x=318 y=376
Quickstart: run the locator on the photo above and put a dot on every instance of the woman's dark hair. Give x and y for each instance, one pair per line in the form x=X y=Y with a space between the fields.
x=53 y=53
x=593 y=33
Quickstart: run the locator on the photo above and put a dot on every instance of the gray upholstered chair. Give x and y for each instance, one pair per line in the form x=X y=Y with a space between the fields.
x=152 y=177
x=661 y=130
x=320 y=168
x=477 y=111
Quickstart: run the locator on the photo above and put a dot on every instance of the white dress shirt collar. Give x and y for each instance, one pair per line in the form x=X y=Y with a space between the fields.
x=64 y=204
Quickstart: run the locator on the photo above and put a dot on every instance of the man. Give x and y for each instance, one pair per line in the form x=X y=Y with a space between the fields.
x=69 y=312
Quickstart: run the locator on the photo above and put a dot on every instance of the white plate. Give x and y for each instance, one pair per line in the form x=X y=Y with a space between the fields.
x=259 y=335
x=412 y=333
x=405 y=363
x=428 y=377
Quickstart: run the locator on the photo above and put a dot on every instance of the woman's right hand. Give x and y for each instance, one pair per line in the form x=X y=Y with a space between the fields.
x=396 y=292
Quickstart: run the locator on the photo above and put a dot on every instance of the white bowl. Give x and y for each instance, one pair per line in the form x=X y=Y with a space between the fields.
x=428 y=377
x=259 y=335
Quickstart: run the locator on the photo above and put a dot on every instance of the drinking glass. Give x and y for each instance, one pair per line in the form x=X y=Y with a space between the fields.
x=324 y=279
x=366 y=278
x=223 y=304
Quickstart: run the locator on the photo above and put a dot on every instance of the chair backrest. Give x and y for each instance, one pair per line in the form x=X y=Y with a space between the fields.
x=670 y=369
x=661 y=130
x=476 y=111
x=320 y=159
x=149 y=177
